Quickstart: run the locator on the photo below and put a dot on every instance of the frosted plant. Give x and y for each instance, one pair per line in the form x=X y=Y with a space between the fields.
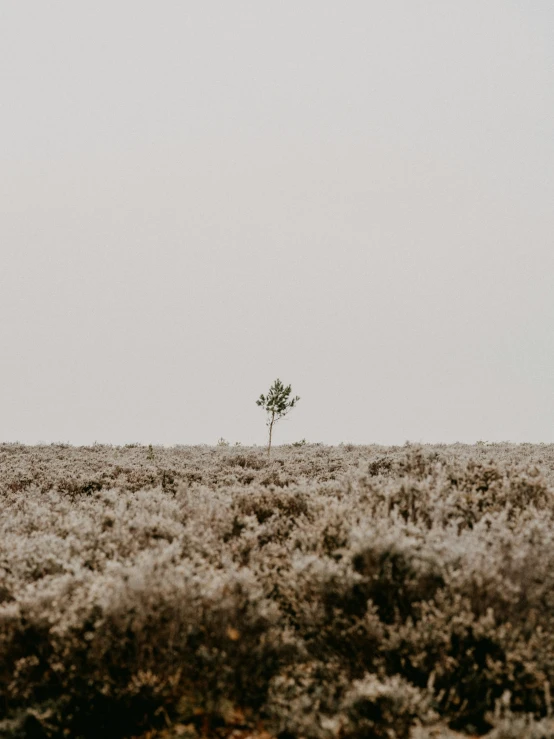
x=336 y=593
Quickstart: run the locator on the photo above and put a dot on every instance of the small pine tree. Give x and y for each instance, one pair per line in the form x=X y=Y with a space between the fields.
x=277 y=405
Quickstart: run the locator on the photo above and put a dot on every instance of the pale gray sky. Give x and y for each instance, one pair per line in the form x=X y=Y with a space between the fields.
x=197 y=197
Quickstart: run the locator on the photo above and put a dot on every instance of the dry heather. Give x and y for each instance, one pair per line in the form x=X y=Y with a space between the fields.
x=343 y=591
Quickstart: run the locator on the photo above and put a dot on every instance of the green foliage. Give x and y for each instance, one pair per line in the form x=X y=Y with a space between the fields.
x=302 y=442
x=277 y=400
x=277 y=403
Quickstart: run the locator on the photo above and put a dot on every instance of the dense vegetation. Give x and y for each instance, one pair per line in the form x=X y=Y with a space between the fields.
x=330 y=592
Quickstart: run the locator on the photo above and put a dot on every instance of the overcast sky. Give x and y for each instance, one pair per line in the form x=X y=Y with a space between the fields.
x=198 y=197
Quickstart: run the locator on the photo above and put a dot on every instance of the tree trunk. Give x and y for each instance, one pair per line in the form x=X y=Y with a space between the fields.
x=270 y=432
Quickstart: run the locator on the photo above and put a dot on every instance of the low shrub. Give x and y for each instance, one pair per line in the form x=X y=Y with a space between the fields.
x=330 y=593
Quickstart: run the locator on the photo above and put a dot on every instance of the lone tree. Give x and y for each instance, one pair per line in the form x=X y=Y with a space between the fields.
x=277 y=405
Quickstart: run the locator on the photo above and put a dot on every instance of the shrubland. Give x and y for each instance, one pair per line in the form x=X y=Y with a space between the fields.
x=350 y=591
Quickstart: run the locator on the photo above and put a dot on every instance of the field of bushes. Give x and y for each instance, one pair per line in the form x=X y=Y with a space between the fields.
x=348 y=591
